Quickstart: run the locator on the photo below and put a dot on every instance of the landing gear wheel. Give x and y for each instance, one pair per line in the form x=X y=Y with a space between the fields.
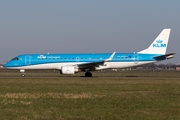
x=88 y=74
x=22 y=75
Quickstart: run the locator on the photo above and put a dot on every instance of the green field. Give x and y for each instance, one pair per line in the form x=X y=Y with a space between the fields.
x=130 y=95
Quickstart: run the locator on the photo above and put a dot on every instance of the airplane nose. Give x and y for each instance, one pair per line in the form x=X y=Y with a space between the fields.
x=7 y=65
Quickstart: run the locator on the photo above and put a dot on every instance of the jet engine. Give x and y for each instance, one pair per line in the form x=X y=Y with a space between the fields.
x=68 y=70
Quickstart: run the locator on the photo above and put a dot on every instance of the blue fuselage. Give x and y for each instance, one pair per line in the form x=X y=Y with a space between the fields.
x=38 y=59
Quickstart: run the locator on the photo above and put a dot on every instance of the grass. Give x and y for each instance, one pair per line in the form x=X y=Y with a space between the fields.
x=52 y=73
x=91 y=98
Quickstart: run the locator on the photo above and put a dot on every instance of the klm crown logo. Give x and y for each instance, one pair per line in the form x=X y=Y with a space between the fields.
x=41 y=56
x=159 y=44
x=159 y=41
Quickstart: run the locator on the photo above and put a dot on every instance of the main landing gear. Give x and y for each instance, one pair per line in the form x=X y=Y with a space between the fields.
x=88 y=74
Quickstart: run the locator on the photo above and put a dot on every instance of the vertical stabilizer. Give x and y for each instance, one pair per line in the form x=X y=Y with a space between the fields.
x=160 y=44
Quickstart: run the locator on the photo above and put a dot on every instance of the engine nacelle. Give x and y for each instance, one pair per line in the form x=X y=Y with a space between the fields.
x=68 y=70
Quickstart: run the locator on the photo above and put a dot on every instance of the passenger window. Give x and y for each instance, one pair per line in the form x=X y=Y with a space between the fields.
x=49 y=58
x=122 y=57
x=41 y=58
x=101 y=58
x=81 y=58
x=53 y=58
x=68 y=58
x=90 y=58
x=118 y=57
x=115 y=58
x=104 y=58
x=86 y=58
x=61 y=58
x=57 y=58
x=46 y=58
x=73 y=58
x=65 y=58
x=38 y=58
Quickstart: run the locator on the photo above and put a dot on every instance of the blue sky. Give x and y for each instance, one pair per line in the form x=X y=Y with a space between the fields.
x=86 y=26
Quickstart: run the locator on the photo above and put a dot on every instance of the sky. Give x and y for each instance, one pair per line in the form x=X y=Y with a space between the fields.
x=86 y=26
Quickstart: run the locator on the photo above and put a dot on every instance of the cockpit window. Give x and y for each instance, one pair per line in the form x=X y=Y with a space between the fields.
x=15 y=59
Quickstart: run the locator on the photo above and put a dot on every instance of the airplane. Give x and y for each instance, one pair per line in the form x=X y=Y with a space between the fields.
x=70 y=64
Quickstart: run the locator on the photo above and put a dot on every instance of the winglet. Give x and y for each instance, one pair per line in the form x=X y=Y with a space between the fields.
x=110 y=58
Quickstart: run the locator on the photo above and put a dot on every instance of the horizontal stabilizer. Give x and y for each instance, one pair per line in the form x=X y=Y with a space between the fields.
x=167 y=56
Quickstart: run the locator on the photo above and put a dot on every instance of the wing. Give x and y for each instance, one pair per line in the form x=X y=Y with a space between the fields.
x=93 y=65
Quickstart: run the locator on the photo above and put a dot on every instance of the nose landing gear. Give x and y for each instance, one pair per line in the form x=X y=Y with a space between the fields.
x=22 y=73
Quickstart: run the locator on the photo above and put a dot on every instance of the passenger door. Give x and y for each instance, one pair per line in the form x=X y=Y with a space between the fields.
x=27 y=59
x=136 y=58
